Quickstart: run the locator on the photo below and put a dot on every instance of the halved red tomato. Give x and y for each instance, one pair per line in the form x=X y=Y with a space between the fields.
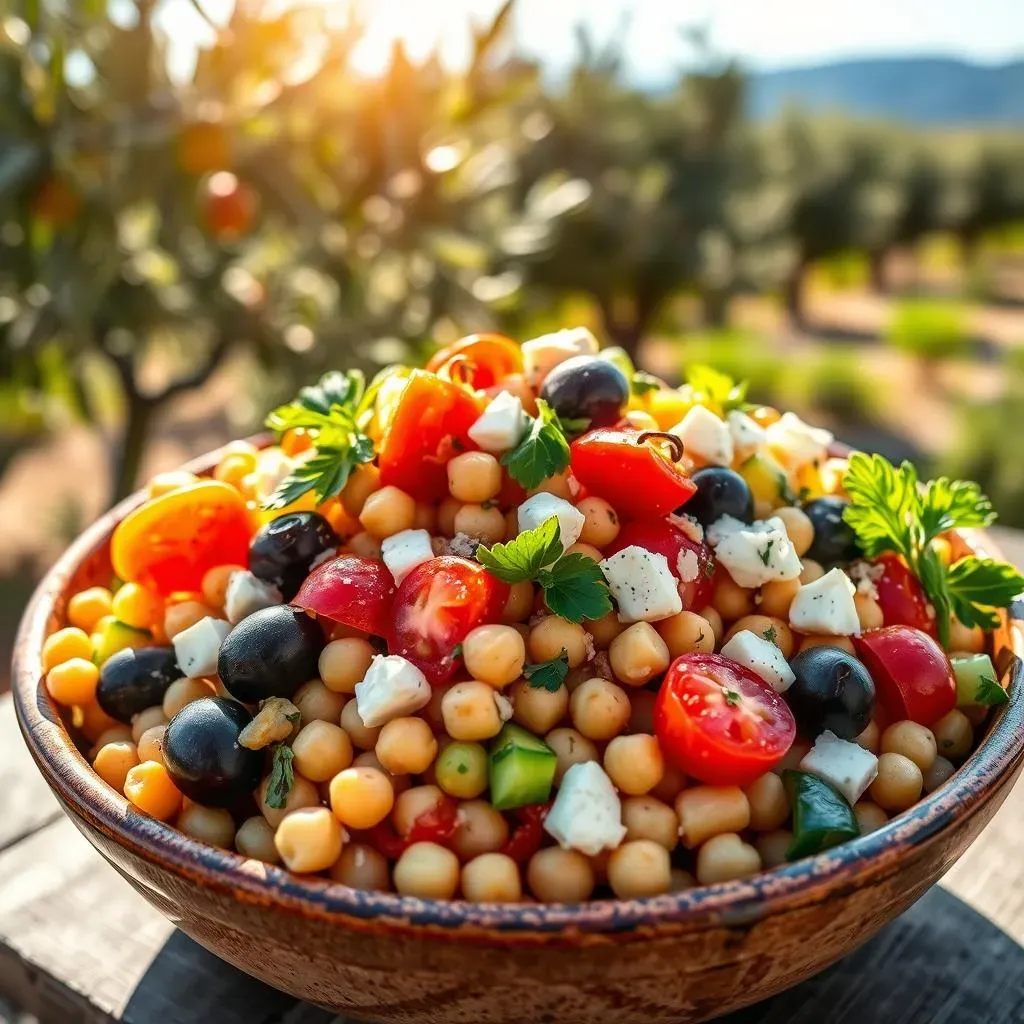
x=691 y=563
x=527 y=833
x=485 y=359
x=429 y=427
x=901 y=596
x=719 y=722
x=357 y=592
x=438 y=603
x=437 y=824
x=624 y=469
x=913 y=676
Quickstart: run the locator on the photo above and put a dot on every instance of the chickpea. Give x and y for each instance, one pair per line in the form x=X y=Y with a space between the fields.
x=87 y=607
x=365 y=545
x=73 y=682
x=968 y=639
x=681 y=881
x=484 y=523
x=941 y=769
x=648 y=818
x=361 y=797
x=640 y=867
x=345 y=662
x=870 y=738
x=638 y=654
x=536 y=708
x=64 y=645
x=555 y=875
x=634 y=763
x=461 y=770
x=714 y=621
x=318 y=703
x=954 y=735
x=479 y=829
x=844 y=643
x=387 y=512
x=180 y=617
x=726 y=857
x=520 y=602
x=446 y=515
x=309 y=839
x=364 y=480
x=812 y=571
x=406 y=746
x=302 y=794
x=870 y=817
x=570 y=747
x=214 y=587
x=730 y=600
x=150 y=789
x=600 y=522
x=428 y=871
x=474 y=477
x=557 y=485
x=686 y=633
x=772 y=847
x=416 y=801
x=361 y=735
x=470 y=712
x=113 y=761
x=115 y=734
x=212 y=825
x=898 y=783
x=255 y=838
x=776 y=597
x=145 y=720
x=599 y=709
x=321 y=749
x=93 y=721
x=766 y=626
x=799 y=527
x=792 y=758
x=361 y=867
x=673 y=781
x=769 y=807
x=492 y=878
x=706 y=811
x=494 y=654
x=641 y=714
x=869 y=611
x=911 y=740
x=605 y=629
x=553 y=635
x=183 y=692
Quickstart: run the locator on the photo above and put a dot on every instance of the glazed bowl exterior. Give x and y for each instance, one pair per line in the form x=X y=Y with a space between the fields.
x=677 y=958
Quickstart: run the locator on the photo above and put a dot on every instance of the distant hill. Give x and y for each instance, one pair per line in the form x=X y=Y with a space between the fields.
x=921 y=90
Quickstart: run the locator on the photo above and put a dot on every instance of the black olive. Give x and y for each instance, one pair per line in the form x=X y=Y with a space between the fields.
x=133 y=680
x=270 y=653
x=834 y=540
x=284 y=550
x=587 y=388
x=833 y=690
x=720 y=492
x=203 y=755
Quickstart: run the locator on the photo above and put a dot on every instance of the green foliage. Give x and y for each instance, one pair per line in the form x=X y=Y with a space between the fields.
x=929 y=328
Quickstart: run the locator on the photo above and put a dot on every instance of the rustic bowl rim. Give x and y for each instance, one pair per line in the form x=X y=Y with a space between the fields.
x=87 y=799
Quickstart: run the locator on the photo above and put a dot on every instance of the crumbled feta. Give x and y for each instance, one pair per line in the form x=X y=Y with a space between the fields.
x=197 y=647
x=272 y=467
x=505 y=709
x=404 y=550
x=642 y=584
x=747 y=434
x=826 y=606
x=392 y=688
x=687 y=566
x=246 y=594
x=501 y=425
x=705 y=435
x=796 y=443
x=762 y=657
x=541 y=355
x=539 y=508
x=848 y=766
x=688 y=525
x=865 y=577
x=586 y=814
x=754 y=554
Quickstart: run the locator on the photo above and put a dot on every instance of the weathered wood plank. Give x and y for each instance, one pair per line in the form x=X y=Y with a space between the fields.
x=26 y=799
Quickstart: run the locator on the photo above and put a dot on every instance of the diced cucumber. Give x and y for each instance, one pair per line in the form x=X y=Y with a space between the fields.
x=821 y=816
x=766 y=480
x=521 y=769
x=115 y=636
x=977 y=684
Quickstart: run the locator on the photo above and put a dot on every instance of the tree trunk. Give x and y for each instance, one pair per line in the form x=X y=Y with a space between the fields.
x=715 y=307
x=127 y=452
x=793 y=296
x=876 y=272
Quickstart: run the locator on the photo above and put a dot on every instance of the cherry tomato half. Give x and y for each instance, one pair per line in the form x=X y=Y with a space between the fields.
x=901 y=596
x=913 y=676
x=170 y=542
x=665 y=538
x=438 y=603
x=429 y=427
x=485 y=359
x=633 y=475
x=357 y=592
x=437 y=824
x=527 y=833
x=720 y=723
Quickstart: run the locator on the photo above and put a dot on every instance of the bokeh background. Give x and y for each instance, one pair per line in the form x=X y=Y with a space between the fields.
x=204 y=203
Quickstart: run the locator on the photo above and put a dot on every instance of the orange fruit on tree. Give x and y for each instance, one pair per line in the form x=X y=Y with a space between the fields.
x=228 y=206
x=203 y=148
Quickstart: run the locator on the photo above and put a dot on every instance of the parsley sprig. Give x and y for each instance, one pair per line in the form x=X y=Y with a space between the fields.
x=573 y=585
x=282 y=777
x=707 y=386
x=890 y=511
x=544 y=449
x=548 y=675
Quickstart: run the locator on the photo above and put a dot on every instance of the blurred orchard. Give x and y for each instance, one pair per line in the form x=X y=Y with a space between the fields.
x=279 y=213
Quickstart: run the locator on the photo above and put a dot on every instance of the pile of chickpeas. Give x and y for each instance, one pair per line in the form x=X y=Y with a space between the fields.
x=350 y=779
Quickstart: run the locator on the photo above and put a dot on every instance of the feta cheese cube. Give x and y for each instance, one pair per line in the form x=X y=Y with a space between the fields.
x=796 y=443
x=541 y=355
x=747 y=434
x=826 y=606
x=642 y=584
x=586 y=814
x=197 y=647
x=246 y=594
x=847 y=766
x=542 y=506
x=404 y=550
x=392 y=688
x=754 y=554
x=705 y=435
x=501 y=425
x=762 y=657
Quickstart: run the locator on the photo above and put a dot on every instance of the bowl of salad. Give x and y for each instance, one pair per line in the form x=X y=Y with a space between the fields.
x=526 y=686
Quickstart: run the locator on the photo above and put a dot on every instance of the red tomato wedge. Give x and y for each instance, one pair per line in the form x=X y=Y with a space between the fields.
x=437 y=824
x=913 y=676
x=357 y=592
x=633 y=475
x=170 y=542
x=720 y=723
x=901 y=596
x=527 y=833
x=686 y=557
x=429 y=427
x=438 y=603
x=485 y=359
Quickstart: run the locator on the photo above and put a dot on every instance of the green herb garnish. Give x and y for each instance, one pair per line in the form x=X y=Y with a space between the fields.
x=282 y=777
x=706 y=385
x=548 y=675
x=771 y=634
x=544 y=450
x=732 y=698
x=989 y=693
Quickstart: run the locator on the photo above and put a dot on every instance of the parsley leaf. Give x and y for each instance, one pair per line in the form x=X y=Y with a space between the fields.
x=282 y=777
x=977 y=586
x=708 y=386
x=771 y=634
x=548 y=675
x=523 y=558
x=544 y=451
x=946 y=504
x=575 y=588
x=732 y=698
x=641 y=383
x=883 y=502
x=766 y=555
x=989 y=693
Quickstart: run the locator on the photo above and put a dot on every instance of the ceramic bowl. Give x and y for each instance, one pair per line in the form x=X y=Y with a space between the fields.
x=677 y=958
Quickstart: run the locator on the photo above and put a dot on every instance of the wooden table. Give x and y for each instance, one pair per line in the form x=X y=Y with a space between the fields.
x=77 y=944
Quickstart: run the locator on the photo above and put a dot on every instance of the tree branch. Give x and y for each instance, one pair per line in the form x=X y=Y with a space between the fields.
x=199 y=376
x=202 y=12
